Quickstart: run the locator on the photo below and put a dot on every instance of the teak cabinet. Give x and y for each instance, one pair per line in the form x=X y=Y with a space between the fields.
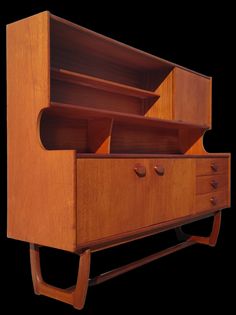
x=105 y=145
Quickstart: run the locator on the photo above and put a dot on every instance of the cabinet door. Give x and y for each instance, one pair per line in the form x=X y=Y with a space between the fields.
x=191 y=97
x=112 y=198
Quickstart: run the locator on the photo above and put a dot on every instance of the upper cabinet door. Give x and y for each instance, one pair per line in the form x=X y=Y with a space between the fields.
x=191 y=97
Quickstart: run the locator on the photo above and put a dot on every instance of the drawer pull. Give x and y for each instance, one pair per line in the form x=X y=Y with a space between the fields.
x=214 y=167
x=140 y=170
x=159 y=170
x=214 y=184
x=213 y=200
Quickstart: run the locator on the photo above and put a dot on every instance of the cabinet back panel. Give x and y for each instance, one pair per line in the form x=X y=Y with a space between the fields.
x=136 y=139
x=88 y=63
x=78 y=49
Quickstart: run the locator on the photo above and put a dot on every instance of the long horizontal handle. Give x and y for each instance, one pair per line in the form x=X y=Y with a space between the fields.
x=138 y=263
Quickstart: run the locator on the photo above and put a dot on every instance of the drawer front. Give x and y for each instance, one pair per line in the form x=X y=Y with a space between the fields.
x=209 y=166
x=211 y=201
x=211 y=183
x=120 y=195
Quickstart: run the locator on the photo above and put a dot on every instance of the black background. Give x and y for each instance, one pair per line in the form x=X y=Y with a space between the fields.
x=198 y=279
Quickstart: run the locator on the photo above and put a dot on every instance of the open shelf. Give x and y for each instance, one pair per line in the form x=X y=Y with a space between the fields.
x=97 y=83
x=95 y=71
x=81 y=50
x=90 y=130
x=109 y=98
x=75 y=111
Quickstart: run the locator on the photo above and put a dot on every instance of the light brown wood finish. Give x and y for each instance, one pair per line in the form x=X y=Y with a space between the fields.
x=75 y=295
x=163 y=106
x=191 y=97
x=212 y=200
x=41 y=199
x=211 y=183
x=129 y=236
x=188 y=147
x=99 y=135
x=125 y=201
x=212 y=238
x=151 y=156
x=190 y=141
x=141 y=168
x=211 y=166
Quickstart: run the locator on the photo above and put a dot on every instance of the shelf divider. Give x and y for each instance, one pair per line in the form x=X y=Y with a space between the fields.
x=99 y=135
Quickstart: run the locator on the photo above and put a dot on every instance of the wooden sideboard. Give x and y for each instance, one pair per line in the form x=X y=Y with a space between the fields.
x=105 y=146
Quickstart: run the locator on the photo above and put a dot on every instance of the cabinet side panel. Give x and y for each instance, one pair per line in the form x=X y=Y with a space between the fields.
x=191 y=97
x=41 y=183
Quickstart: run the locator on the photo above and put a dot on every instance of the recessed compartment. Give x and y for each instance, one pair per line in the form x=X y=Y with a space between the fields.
x=64 y=126
x=127 y=138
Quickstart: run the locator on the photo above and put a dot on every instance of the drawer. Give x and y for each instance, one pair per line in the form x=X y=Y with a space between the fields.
x=120 y=195
x=211 y=201
x=210 y=166
x=211 y=183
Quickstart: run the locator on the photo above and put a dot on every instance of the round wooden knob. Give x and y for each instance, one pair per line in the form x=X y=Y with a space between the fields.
x=214 y=184
x=159 y=170
x=140 y=170
x=213 y=200
x=214 y=167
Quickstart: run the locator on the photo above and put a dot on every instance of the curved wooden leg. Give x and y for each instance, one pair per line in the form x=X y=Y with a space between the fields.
x=76 y=295
x=80 y=292
x=212 y=238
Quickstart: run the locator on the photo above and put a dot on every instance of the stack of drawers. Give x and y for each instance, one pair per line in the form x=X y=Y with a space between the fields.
x=212 y=186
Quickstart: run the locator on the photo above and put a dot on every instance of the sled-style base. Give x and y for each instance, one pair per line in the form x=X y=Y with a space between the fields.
x=76 y=295
x=206 y=240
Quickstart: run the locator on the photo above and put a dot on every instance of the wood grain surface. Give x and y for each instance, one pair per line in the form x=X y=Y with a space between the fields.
x=41 y=183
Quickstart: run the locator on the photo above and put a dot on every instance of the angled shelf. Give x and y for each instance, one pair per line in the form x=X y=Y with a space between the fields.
x=75 y=111
x=101 y=84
